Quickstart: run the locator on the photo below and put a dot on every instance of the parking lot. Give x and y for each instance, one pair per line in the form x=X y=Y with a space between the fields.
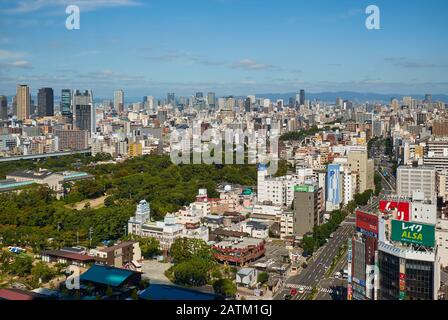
x=155 y=271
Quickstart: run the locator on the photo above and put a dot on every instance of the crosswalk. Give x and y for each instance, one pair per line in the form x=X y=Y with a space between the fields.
x=308 y=288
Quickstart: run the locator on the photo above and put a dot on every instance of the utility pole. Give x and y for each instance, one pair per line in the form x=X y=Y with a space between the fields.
x=90 y=235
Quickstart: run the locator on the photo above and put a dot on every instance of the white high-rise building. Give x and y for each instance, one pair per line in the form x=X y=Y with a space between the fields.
x=119 y=101
x=410 y=179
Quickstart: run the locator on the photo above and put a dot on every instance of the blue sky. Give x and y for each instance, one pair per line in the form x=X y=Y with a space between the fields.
x=229 y=46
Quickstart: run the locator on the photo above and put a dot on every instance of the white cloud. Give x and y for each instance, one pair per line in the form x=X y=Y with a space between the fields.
x=7 y=54
x=26 y=6
x=21 y=64
x=249 y=64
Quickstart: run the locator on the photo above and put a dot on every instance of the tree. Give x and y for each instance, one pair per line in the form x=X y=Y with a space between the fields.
x=225 y=287
x=21 y=265
x=42 y=271
x=108 y=202
x=193 y=272
x=263 y=277
x=184 y=249
x=362 y=199
x=149 y=246
x=308 y=245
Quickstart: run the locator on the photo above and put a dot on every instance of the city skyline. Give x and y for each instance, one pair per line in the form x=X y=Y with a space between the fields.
x=230 y=47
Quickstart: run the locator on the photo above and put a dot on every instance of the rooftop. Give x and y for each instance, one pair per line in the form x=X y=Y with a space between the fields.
x=106 y=275
x=117 y=246
x=69 y=255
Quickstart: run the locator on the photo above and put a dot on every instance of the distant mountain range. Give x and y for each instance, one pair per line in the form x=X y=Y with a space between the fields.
x=352 y=96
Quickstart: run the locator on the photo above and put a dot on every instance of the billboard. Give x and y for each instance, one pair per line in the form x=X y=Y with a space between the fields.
x=367 y=223
x=402 y=286
x=333 y=184
x=304 y=188
x=403 y=208
x=415 y=233
x=349 y=260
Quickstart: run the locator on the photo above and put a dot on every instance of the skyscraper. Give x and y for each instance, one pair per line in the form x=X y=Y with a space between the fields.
x=23 y=102
x=119 y=101
x=211 y=99
x=84 y=111
x=247 y=105
x=45 y=102
x=3 y=108
x=199 y=95
x=66 y=103
x=171 y=98
x=302 y=97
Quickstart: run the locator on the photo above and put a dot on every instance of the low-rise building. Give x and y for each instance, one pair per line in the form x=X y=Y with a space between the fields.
x=121 y=255
x=247 y=277
x=239 y=251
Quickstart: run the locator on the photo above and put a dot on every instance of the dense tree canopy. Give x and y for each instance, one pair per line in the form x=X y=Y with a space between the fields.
x=34 y=217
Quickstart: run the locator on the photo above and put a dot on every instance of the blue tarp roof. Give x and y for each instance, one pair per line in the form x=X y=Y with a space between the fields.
x=106 y=275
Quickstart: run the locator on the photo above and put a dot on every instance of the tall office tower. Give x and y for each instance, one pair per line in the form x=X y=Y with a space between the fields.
x=302 y=97
x=307 y=212
x=66 y=104
x=3 y=108
x=171 y=98
x=428 y=98
x=247 y=105
x=152 y=103
x=347 y=105
x=84 y=111
x=211 y=100
x=421 y=117
x=45 y=102
x=23 y=102
x=14 y=106
x=339 y=102
x=291 y=102
x=119 y=101
x=230 y=104
x=280 y=104
x=199 y=95
x=364 y=168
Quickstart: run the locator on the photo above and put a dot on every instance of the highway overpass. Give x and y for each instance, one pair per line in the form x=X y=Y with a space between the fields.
x=44 y=155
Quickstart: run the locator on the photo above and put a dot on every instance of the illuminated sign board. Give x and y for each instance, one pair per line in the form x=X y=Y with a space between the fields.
x=367 y=223
x=403 y=209
x=415 y=233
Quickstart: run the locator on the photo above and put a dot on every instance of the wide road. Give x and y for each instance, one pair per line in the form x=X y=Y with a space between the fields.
x=319 y=264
